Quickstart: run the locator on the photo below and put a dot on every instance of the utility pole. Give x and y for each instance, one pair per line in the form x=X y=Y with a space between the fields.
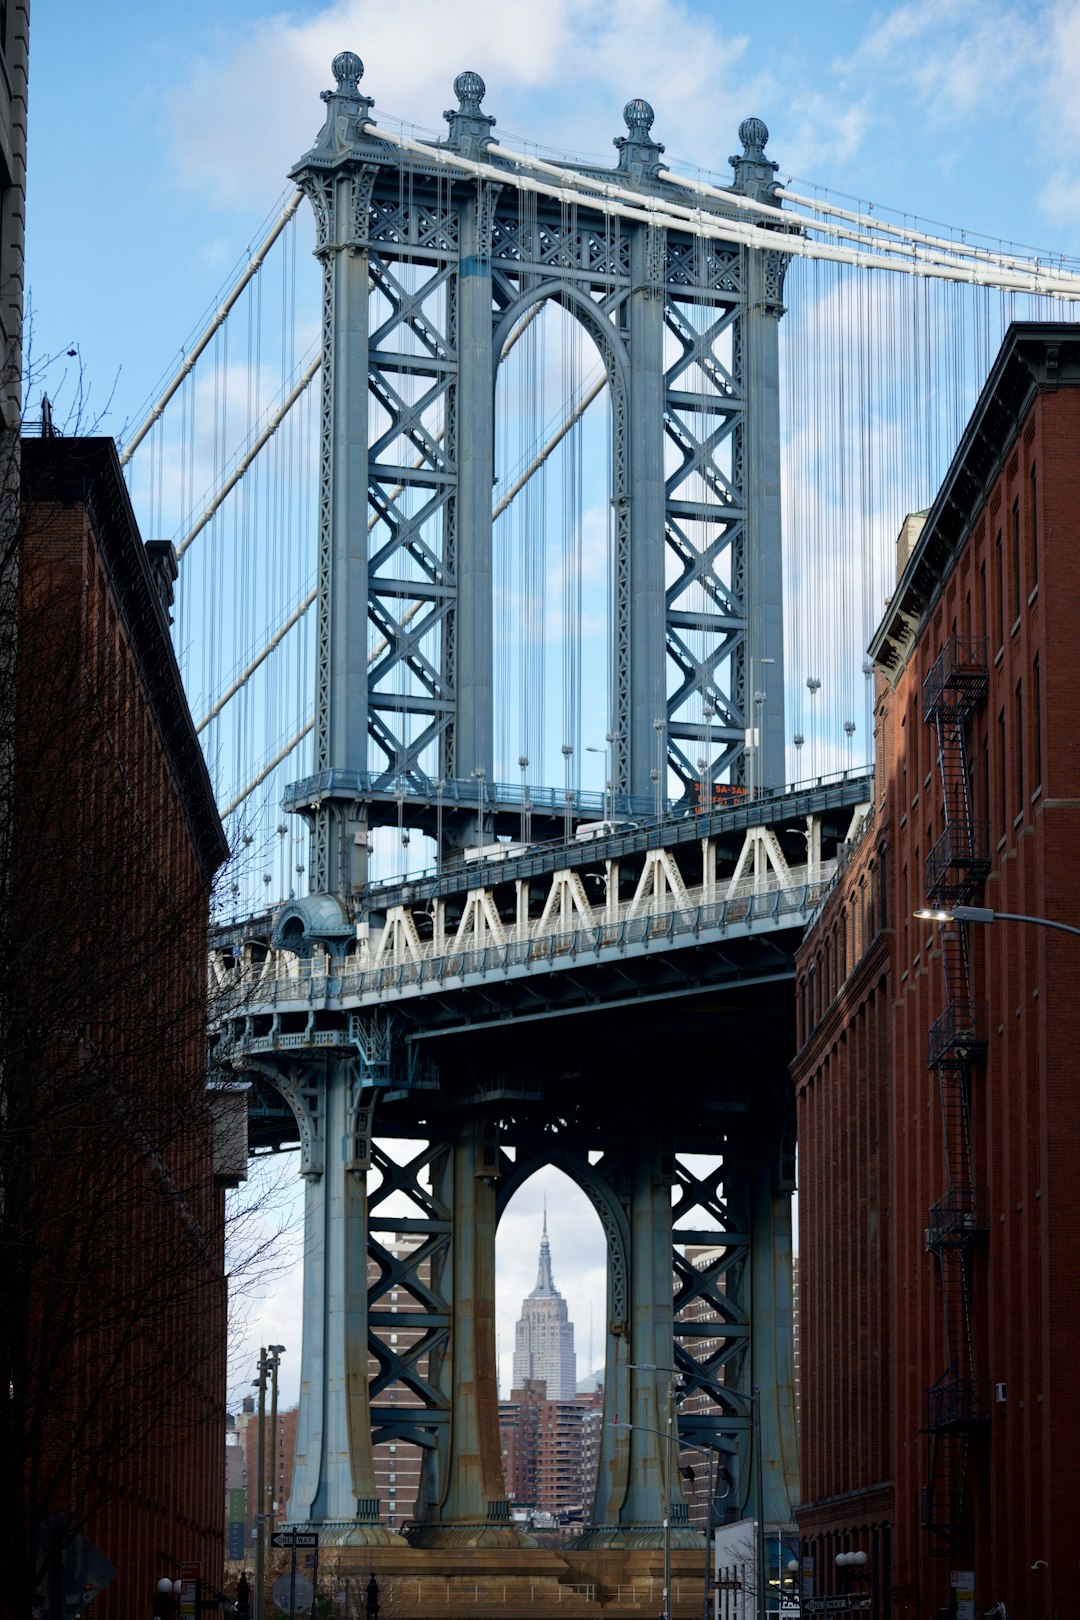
x=260 y=1490
x=275 y=1351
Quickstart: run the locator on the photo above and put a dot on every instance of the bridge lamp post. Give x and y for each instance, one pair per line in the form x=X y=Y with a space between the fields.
x=481 y=775
x=707 y=714
x=982 y=914
x=523 y=765
x=657 y=773
x=610 y=739
x=753 y=735
x=568 y=796
x=440 y=787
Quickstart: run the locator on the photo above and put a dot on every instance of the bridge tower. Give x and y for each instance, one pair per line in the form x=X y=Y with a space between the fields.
x=433 y=254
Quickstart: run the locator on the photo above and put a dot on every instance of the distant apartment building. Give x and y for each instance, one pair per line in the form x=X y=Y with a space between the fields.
x=550 y=1451
x=278 y=1461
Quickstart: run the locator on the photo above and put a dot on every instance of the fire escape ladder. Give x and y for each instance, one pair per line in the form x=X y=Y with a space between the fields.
x=956 y=868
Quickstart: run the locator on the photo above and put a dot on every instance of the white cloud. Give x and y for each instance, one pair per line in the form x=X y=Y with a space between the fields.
x=560 y=72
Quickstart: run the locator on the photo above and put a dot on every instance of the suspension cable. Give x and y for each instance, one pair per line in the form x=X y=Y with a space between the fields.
x=242 y=465
x=250 y=270
x=268 y=768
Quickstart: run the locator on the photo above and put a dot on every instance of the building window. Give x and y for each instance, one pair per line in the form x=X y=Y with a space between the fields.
x=1016 y=557
x=1003 y=774
x=1000 y=583
x=1034 y=483
x=1036 y=725
x=984 y=627
x=1018 y=743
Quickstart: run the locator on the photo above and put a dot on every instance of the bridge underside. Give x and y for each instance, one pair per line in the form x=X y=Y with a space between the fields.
x=473 y=1026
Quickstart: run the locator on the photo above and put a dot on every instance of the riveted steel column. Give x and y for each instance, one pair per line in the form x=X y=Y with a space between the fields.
x=474 y=1510
x=339 y=188
x=334 y=1479
x=475 y=454
x=653 y=1466
x=648 y=697
x=764 y=538
x=772 y=1336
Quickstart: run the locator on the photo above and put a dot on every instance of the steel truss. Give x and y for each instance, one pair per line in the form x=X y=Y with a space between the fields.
x=427 y=272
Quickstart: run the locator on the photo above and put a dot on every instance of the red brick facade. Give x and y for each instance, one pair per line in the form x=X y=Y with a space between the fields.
x=120 y=1265
x=923 y=1270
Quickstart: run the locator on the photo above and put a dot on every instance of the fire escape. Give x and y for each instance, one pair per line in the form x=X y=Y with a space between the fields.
x=956 y=868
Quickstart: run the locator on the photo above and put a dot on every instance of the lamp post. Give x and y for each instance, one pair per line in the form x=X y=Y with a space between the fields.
x=440 y=788
x=646 y=1429
x=982 y=914
x=755 y=1397
x=853 y=1561
x=657 y=772
x=670 y=1434
x=523 y=765
x=260 y=1487
x=481 y=776
x=275 y=1352
x=568 y=794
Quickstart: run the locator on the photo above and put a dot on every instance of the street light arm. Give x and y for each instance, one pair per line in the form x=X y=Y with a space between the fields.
x=984 y=914
x=1040 y=922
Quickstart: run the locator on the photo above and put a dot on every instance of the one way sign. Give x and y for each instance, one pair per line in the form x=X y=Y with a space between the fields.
x=295 y=1538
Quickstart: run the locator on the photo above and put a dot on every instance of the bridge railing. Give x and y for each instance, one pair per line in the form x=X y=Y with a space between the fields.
x=524 y=947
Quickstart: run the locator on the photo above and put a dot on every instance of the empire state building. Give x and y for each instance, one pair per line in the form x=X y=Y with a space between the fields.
x=544 y=1336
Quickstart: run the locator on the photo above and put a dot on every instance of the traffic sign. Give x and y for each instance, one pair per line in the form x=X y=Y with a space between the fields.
x=295 y=1538
x=293 y=1593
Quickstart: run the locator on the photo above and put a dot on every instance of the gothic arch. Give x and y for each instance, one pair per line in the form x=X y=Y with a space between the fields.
x=606 y=1204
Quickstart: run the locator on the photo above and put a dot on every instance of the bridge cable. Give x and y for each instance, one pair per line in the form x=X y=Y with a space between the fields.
x=251 y=269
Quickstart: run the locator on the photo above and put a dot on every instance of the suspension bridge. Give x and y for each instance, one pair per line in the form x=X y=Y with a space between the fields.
x=528 y=652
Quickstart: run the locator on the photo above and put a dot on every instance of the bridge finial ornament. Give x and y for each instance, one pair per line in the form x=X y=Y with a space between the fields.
x=639 y=154
x=470 y=126
x=754 y=133
x=348 y=70
x=755 y=174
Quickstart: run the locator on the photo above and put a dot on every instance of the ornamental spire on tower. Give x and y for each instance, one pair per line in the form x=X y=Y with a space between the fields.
x=545 y=1283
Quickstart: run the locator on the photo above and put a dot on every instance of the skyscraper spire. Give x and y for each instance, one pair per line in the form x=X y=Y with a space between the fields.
x=545 y=1282
x=544 y=1335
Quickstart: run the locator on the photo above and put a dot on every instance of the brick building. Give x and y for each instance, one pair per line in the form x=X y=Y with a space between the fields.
x=551 y=1450
x=112 y=1242
x=936 y=1075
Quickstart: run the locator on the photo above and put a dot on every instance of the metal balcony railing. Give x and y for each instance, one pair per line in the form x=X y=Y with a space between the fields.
x=958 y=1037
x=953 y=1405
x=958 y=678
x=960 y=1218
x=958 y=863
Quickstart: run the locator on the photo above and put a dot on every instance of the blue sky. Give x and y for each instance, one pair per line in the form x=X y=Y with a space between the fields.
x=161 y=135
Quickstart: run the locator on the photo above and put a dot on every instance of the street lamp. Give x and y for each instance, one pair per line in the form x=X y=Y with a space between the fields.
x=982 y=914
x=647 y=1429
x=856 y=1562
x=275 y=1352
x=568 y=793
x=260 y=1486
